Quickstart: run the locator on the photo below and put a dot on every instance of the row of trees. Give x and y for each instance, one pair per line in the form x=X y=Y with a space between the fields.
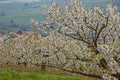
x=11 y=26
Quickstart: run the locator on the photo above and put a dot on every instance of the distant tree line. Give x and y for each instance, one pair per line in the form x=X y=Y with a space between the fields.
x=12 y=26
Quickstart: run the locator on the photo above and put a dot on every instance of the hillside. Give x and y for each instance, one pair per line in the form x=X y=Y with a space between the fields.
x=19 y=13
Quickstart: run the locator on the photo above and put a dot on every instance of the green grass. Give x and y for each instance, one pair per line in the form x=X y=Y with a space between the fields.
x=14 y=75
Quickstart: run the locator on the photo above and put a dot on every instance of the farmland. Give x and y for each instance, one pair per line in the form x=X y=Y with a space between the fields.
x=20 y=13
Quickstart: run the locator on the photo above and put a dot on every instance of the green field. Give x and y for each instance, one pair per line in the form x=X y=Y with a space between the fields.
x=14 y=11
x=14 y=75
x=92 y=3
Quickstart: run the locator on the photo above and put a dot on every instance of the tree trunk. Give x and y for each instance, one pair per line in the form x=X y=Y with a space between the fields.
x=43 y=67
x=103 y=62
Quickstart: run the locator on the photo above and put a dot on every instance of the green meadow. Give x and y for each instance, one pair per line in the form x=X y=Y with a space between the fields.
x=16 y=12
x=14 y=75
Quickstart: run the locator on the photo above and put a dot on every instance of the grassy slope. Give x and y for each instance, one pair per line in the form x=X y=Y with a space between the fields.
x=15 y=72
x=14 y=75
x=14 y=11
x=91 y=3
x=19 y=15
